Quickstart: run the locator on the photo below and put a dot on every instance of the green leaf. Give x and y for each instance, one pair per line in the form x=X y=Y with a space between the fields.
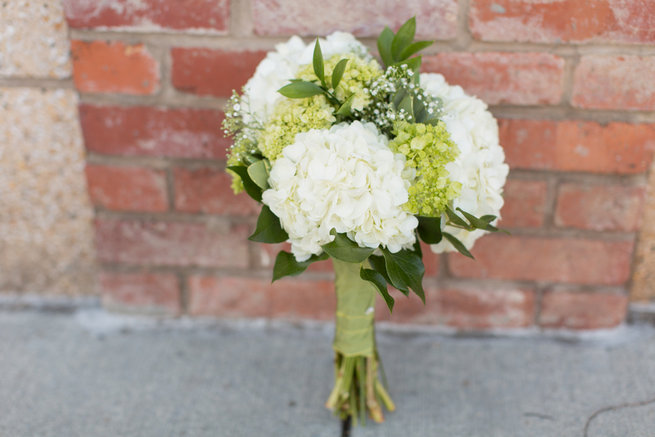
x=300 y=90
x=479 y=222
x=337 y=73
x=252 y=189
x=259 y=174
x=377 y=263
x=379 y=282
x=458 y=245
x=286 y=264
x=454 y=218
x=344 y=249
x=268 y=229
x=319 y=68
x=403 y=38
x=407 y=104
x=345 y=109
x=413 y=64
x=405 y=269
x=384 y=46
x=429 y=229
x=488 y=218
x=413 y=48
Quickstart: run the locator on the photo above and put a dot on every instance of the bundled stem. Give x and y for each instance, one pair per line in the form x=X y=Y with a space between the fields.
x=357 y=388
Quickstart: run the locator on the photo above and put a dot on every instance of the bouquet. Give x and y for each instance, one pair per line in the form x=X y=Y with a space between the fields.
x=358 y=161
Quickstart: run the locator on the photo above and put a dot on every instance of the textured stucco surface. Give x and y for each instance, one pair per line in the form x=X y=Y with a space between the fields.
x=45 y=219
x=33 y=39
x=643 y=279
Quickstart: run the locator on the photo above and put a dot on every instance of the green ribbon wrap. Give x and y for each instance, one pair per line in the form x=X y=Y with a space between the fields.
x=354 y=330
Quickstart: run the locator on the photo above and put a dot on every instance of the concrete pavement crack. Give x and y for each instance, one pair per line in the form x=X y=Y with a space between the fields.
x=614 y=408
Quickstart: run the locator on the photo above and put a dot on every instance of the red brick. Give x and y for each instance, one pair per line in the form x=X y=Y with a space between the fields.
x=547 y=21
x=582 y=310
x=578 y=145
x=146 y=131
x=172 y=243
x=615 y=82
x=212 y=72
x=157 y=293
x=149 y=15
x=540 y=259
x=252 y=297
x=265 y=255
x=430 y=261
x=525 y=204
x=514 y=78
x=465 y=307
x=600 y=207
x=114 y=67
x=436 y=19
x=208 y=190
x=127 y=188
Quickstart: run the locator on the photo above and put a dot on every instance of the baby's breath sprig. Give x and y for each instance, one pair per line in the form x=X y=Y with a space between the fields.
x=397 y=97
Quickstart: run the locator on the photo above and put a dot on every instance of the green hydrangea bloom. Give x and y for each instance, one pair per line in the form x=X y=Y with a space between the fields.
x=292 y=116
x=427 y=149
x=356 y=79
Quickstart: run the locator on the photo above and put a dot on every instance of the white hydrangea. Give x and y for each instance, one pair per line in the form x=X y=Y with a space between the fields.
x=344 y=178
x=273 y=72
x=480 y=166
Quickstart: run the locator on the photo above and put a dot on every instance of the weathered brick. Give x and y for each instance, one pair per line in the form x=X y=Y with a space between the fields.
x=582 y=310
x=252 y=297
x=114 y=67
x=600 y=207
x=430 y=261
x=525 y=204
x=514 y=78
x=578 y=145
x=149 y=15
x=465 y=307
x=127 y=188
x=208 y=190
x=212 y=72
x=541 y=259
x=435 y=18
x=614 y=82
x=547 y=21
x=139 y=130
x=155 y=293
x=172 y=243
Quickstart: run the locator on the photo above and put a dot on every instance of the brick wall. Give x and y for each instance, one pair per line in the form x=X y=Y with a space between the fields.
x=570 y=82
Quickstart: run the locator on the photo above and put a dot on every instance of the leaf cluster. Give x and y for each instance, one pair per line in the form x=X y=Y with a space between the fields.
x=301 y=89
x=397 y=48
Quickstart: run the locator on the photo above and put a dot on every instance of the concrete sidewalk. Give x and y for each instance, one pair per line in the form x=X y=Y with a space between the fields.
x=92 y=374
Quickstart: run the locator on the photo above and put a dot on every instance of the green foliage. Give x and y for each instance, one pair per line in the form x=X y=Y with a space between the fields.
x=429 y=229
x=380 y=283
x=249 y=185
x=405 y=269
x=286 y=264
x=268 y=229
x=258 y=172
x=344 y=249
x=300 y=89
x=337 y=73
x=458 y=245
x=396 y=49
x=319 y=69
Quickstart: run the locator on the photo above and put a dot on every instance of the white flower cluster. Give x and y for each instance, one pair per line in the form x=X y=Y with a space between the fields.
x=480 y=166
x=260 y=92
x=346 y=179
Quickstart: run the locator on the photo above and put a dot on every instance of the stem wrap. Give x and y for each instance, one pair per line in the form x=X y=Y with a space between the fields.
x=354 y=331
